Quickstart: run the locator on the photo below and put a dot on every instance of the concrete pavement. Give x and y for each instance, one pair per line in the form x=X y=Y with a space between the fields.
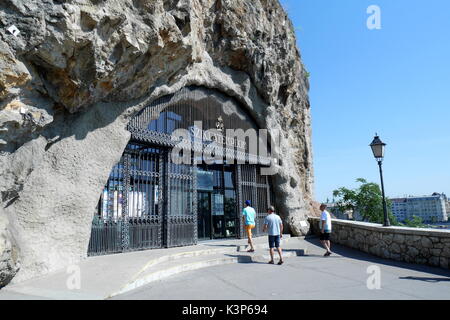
x=223 y=270
x=102 y=277
x=342 y=276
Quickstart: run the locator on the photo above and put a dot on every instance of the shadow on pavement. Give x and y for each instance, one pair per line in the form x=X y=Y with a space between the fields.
x=219 y=245
x=426 y=279
x=244 y=259
x=362 y=256
x=253 y=258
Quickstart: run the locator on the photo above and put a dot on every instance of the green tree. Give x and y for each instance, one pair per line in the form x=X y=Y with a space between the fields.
x=367 y=200
x=415 y=222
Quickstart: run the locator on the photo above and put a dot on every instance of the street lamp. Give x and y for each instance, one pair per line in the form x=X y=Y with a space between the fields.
x=378 y=152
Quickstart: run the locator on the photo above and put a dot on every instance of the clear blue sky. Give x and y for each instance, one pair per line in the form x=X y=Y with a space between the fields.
x=394 y=81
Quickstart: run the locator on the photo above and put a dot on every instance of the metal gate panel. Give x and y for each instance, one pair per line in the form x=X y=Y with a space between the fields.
x=144 y=220
x=129 y=211
x=254 y=187
x=181 y=214
x=106 y=230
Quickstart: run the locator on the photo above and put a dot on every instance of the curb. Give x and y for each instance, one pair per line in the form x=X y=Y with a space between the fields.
x=197 y=253
x=166 y=273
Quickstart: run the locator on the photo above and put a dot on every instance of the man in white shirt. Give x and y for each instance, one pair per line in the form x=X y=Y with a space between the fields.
x=325 y=229
x=274 y=227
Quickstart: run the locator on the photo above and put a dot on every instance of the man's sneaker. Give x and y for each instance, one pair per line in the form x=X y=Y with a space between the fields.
x=271 y=262
x=327 y=254
x=280 y=262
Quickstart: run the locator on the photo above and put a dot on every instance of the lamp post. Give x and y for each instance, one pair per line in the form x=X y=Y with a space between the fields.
x=378 y=152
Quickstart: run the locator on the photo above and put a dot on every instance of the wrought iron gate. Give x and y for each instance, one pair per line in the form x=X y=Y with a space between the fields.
x=129 y=212
x=148 y=202
x=181 y=194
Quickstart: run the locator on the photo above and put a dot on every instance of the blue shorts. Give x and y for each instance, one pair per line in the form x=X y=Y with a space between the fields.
x=274 y=241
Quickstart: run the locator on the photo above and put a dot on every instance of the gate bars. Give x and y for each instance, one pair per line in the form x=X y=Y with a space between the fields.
x=148 y=202
x=129 y=214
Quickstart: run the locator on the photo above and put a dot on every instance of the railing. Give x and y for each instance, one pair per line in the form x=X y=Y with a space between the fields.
x=181 y=231
x=145 y=233
x=106 y=237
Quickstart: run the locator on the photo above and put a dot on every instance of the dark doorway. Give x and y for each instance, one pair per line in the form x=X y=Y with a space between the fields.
x=217 y=205
x=204 y=215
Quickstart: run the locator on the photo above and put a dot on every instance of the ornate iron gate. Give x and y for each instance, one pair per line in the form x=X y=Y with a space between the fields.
x=181 y=194
x=129 y=213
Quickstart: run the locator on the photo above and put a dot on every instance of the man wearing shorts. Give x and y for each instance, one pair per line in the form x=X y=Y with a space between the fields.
x=274 y=226
x=325 y=229
x=248 y=216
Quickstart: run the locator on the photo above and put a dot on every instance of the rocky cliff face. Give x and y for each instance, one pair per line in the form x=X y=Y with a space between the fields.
x=77 y=70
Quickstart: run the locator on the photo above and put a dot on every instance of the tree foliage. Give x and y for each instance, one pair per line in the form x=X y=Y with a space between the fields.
x=415 y=222
x=367 y=200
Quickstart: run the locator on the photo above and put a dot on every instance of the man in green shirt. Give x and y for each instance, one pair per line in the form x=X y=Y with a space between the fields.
x=248 y=217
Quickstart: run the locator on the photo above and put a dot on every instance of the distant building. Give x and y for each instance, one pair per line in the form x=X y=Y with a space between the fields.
x=431 y=209
x=399 y=208
x=338 y=214
x=448 y=207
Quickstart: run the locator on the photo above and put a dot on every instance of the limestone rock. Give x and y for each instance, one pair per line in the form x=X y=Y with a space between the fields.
x=9 y=258
x=80 y=69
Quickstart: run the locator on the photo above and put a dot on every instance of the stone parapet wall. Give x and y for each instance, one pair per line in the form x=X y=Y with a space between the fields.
x=413 y=245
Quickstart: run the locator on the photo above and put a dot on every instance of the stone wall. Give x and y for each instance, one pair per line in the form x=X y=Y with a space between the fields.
x=421 y=246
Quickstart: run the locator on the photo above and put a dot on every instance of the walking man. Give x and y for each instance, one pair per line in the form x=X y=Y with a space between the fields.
x=274 y=225
x=248 y=217
x=325 y=229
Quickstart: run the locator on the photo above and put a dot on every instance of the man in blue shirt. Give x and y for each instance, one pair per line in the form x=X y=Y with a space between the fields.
x=248 y=217
x=274 y=225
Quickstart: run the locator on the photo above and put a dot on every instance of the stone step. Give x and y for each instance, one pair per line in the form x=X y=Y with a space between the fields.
x=104 y=276
x=284 y=240
x=164 y=270
x=259 y=245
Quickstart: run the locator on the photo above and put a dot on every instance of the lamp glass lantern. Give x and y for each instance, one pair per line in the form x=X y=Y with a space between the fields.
x=378 y=147
x=378 y=152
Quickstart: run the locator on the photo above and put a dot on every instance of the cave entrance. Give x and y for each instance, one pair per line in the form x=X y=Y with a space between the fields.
x=151 y=200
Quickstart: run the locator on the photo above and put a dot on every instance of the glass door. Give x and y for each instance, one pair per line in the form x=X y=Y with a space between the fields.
x=204 y=215
x=218 y=215
x=217 y=207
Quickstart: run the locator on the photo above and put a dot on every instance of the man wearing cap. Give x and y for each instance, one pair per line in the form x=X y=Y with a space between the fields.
x=248 y=217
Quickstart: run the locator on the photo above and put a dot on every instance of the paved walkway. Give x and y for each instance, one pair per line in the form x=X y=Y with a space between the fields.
x=105 y=276
x=223 y=270
x=341 y=276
